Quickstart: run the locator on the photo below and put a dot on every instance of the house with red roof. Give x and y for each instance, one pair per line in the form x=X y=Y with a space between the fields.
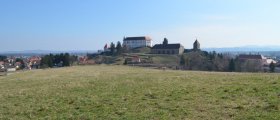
x=34 y=62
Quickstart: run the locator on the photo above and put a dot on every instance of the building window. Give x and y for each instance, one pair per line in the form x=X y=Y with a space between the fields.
x=173 y=52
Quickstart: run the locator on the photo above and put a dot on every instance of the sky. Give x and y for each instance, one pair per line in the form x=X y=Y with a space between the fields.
x=90 y=24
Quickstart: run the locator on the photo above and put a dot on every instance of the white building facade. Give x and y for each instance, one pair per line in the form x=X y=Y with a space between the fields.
x=136 y=42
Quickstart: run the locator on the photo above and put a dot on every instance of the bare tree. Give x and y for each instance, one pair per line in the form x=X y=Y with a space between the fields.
x=251 y=66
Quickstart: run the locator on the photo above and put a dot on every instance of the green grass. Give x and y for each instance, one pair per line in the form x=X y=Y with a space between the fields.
x=141 y=50
x=119 y=92
x=166 y=59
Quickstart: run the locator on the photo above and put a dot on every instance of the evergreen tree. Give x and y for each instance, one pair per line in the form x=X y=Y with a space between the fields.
x=165 y=41
x=182 y=60
x=272 y=67
x=66 y=59
x=125 y=62
x=47 y=61
x=58 y=60
x=232 y=65
x=112 y=48
x=73 y=59
x=119 y=48
x=51 y=60
x=125 y=49
x=43 y=63
x=2 y=58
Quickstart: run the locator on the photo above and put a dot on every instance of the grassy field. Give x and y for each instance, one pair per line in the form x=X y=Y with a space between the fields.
x=119 y=92
x=166 y=59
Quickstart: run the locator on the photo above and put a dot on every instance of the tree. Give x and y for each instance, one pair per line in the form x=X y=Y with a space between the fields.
x=58 y=60
x=50 y=60
x=125 y=62
x=232 y=65
x=251 y=66
x=125 y=49
x=21 y=62
x=165 y=41
x=196 y=61
x=66 y=59
x=47 y=61
x=43 y=63
x=119 y=48
x=212 y=55
x=2 y=58
x=182 y=60
x=112 y=48
x=219 y=63
x=73 y=59
x=272 y=67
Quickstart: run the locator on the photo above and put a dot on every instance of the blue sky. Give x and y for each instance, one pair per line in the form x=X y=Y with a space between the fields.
x=89 y=24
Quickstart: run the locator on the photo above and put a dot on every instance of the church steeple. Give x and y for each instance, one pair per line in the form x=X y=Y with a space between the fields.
x=196 y=45
x=165 y=41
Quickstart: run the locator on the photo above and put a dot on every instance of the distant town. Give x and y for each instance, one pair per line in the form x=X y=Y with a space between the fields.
x=142 y=52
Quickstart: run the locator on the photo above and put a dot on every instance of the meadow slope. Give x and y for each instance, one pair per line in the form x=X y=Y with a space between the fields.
x=120 y=92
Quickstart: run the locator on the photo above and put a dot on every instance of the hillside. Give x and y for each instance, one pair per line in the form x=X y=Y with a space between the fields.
x=141 y=50
x=155 y=59
x=119 y=92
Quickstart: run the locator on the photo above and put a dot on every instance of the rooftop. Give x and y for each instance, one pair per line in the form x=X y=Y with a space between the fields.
x=137 y=38
x=251 y=57
x=168 y=46
x=196 y=42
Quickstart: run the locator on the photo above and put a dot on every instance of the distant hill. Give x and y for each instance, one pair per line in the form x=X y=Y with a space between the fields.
x=245 y=49
x=42 y=52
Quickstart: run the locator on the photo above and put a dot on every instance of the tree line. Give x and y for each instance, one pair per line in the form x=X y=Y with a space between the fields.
x=58 y=60
x=117 y=49
x=2 y=57
x=212 y=61
x=206 y=61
